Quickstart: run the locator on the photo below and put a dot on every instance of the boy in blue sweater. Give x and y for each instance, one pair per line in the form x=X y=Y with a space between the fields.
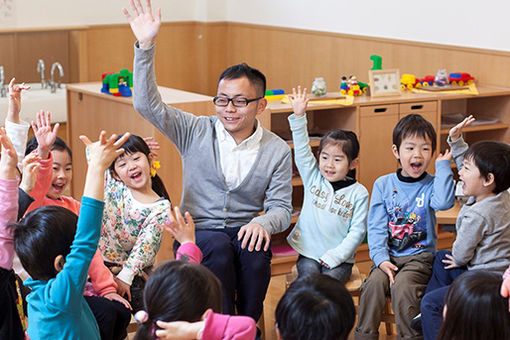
x=401 y=228
x=56 y=247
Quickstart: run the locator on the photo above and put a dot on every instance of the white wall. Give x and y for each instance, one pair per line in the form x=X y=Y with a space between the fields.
x=471 y=23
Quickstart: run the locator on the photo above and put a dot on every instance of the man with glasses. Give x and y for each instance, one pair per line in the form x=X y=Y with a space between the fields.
x=233 y=169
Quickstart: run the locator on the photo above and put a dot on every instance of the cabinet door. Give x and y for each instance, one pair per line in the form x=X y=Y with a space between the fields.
x=376 y=127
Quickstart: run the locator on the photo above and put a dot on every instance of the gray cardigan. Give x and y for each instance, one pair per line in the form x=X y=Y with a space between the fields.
x=483 y=228
x=205 y=194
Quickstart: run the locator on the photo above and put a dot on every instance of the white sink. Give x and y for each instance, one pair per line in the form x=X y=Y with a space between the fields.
x=36 y=99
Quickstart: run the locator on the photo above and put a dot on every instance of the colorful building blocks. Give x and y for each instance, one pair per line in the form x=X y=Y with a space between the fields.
x=118 y=84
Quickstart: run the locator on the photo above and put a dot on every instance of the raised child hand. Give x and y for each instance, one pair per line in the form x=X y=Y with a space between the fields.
x=8 y=158
x=143 y=24
x=182 y=228
x=103 y=152
x=298 y=101
x=457 y=129
x=389 y=269
x=447 y=155
x=30 y=167
x=15 y=100
x=44 y=134
x=505 y=286
x=152 y=144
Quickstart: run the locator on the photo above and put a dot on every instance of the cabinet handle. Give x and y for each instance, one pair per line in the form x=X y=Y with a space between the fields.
x=381 y=109
x=416 y=107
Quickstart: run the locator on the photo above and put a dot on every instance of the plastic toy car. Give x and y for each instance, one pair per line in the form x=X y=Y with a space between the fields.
x=460 y=79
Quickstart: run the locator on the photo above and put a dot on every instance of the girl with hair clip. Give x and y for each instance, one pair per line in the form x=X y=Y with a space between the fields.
x=474 y=308
x=183 y=298
x=50 y=160
x=136 y=209
x=333 y=219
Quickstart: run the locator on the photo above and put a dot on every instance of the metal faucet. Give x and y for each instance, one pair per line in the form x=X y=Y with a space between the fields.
x=40 y=69
x=3 y=89
x=52 y=73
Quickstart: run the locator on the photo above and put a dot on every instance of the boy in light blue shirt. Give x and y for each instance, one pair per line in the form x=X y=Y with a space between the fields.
x=401 y=228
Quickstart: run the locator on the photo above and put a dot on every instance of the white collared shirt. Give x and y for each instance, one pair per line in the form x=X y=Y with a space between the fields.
x=237 y=160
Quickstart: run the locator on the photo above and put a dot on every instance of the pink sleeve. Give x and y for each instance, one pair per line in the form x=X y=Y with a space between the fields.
x=42 y=184
x=506 y=274
x=189 y=251
x=228 y=327
x=101 y=277
x=8 y=214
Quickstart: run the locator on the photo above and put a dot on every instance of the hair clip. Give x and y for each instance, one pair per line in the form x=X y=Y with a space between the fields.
x=141 y=316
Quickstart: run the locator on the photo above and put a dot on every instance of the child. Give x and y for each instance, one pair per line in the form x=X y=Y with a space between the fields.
x=182 y=298
x=57 y=264
x=505 y=286
x=401 y=228
x=136 y=208
x=483 y=223
x=55 y=175
x=10 y=322
x=315 y=307
x=333 y=219
x=474 y=309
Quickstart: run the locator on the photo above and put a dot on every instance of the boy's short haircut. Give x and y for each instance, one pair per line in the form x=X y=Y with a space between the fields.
x=414 y=125
x=492 y=157
x=41 y=236
x=256 y=78
x=315 y=307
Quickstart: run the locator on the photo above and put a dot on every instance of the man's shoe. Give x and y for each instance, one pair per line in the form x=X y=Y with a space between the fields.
x=416 y=323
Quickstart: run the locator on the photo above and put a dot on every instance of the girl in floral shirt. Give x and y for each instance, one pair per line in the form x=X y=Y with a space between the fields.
x=136 y=209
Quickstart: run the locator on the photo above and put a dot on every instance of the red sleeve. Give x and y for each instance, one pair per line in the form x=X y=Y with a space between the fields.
x=101 y=277
x=189 y=252
x=42 y=183
x=228 y=327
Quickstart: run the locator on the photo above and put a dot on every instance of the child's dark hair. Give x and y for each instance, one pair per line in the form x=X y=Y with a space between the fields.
x=136 y=144
x=178 y=291
x=315 y=307
x=347 y=141
x=59 y=145
x=414 y=125
x=492 y=157
x=41 y=236
x=256 y=78
x=475 y=309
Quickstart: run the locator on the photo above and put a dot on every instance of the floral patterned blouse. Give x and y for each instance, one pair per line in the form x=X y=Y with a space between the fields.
x=132 y=231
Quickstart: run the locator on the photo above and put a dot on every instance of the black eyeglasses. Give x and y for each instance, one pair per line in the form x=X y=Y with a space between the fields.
x=236 y=101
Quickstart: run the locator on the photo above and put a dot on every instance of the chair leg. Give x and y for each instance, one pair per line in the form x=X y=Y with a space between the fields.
x=387 y=311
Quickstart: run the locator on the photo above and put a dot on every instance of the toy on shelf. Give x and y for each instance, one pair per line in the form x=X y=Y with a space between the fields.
x=441 y=78
x=352 y=87
x=118 y=84
x=409 y=81
x=276 y=94
x=460 y=79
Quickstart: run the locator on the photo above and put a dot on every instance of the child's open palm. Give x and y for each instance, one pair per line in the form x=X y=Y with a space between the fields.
x=9 y=158
x=143 y=24
x=299 y=101
x=103 y=152
x=43 y=133
x=182 y=228
x=15 y=99
x=457 y=129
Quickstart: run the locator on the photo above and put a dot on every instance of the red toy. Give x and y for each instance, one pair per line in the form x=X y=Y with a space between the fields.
x=460 y=79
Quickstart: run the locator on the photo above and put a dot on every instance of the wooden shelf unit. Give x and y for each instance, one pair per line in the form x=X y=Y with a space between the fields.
x=373 y=120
